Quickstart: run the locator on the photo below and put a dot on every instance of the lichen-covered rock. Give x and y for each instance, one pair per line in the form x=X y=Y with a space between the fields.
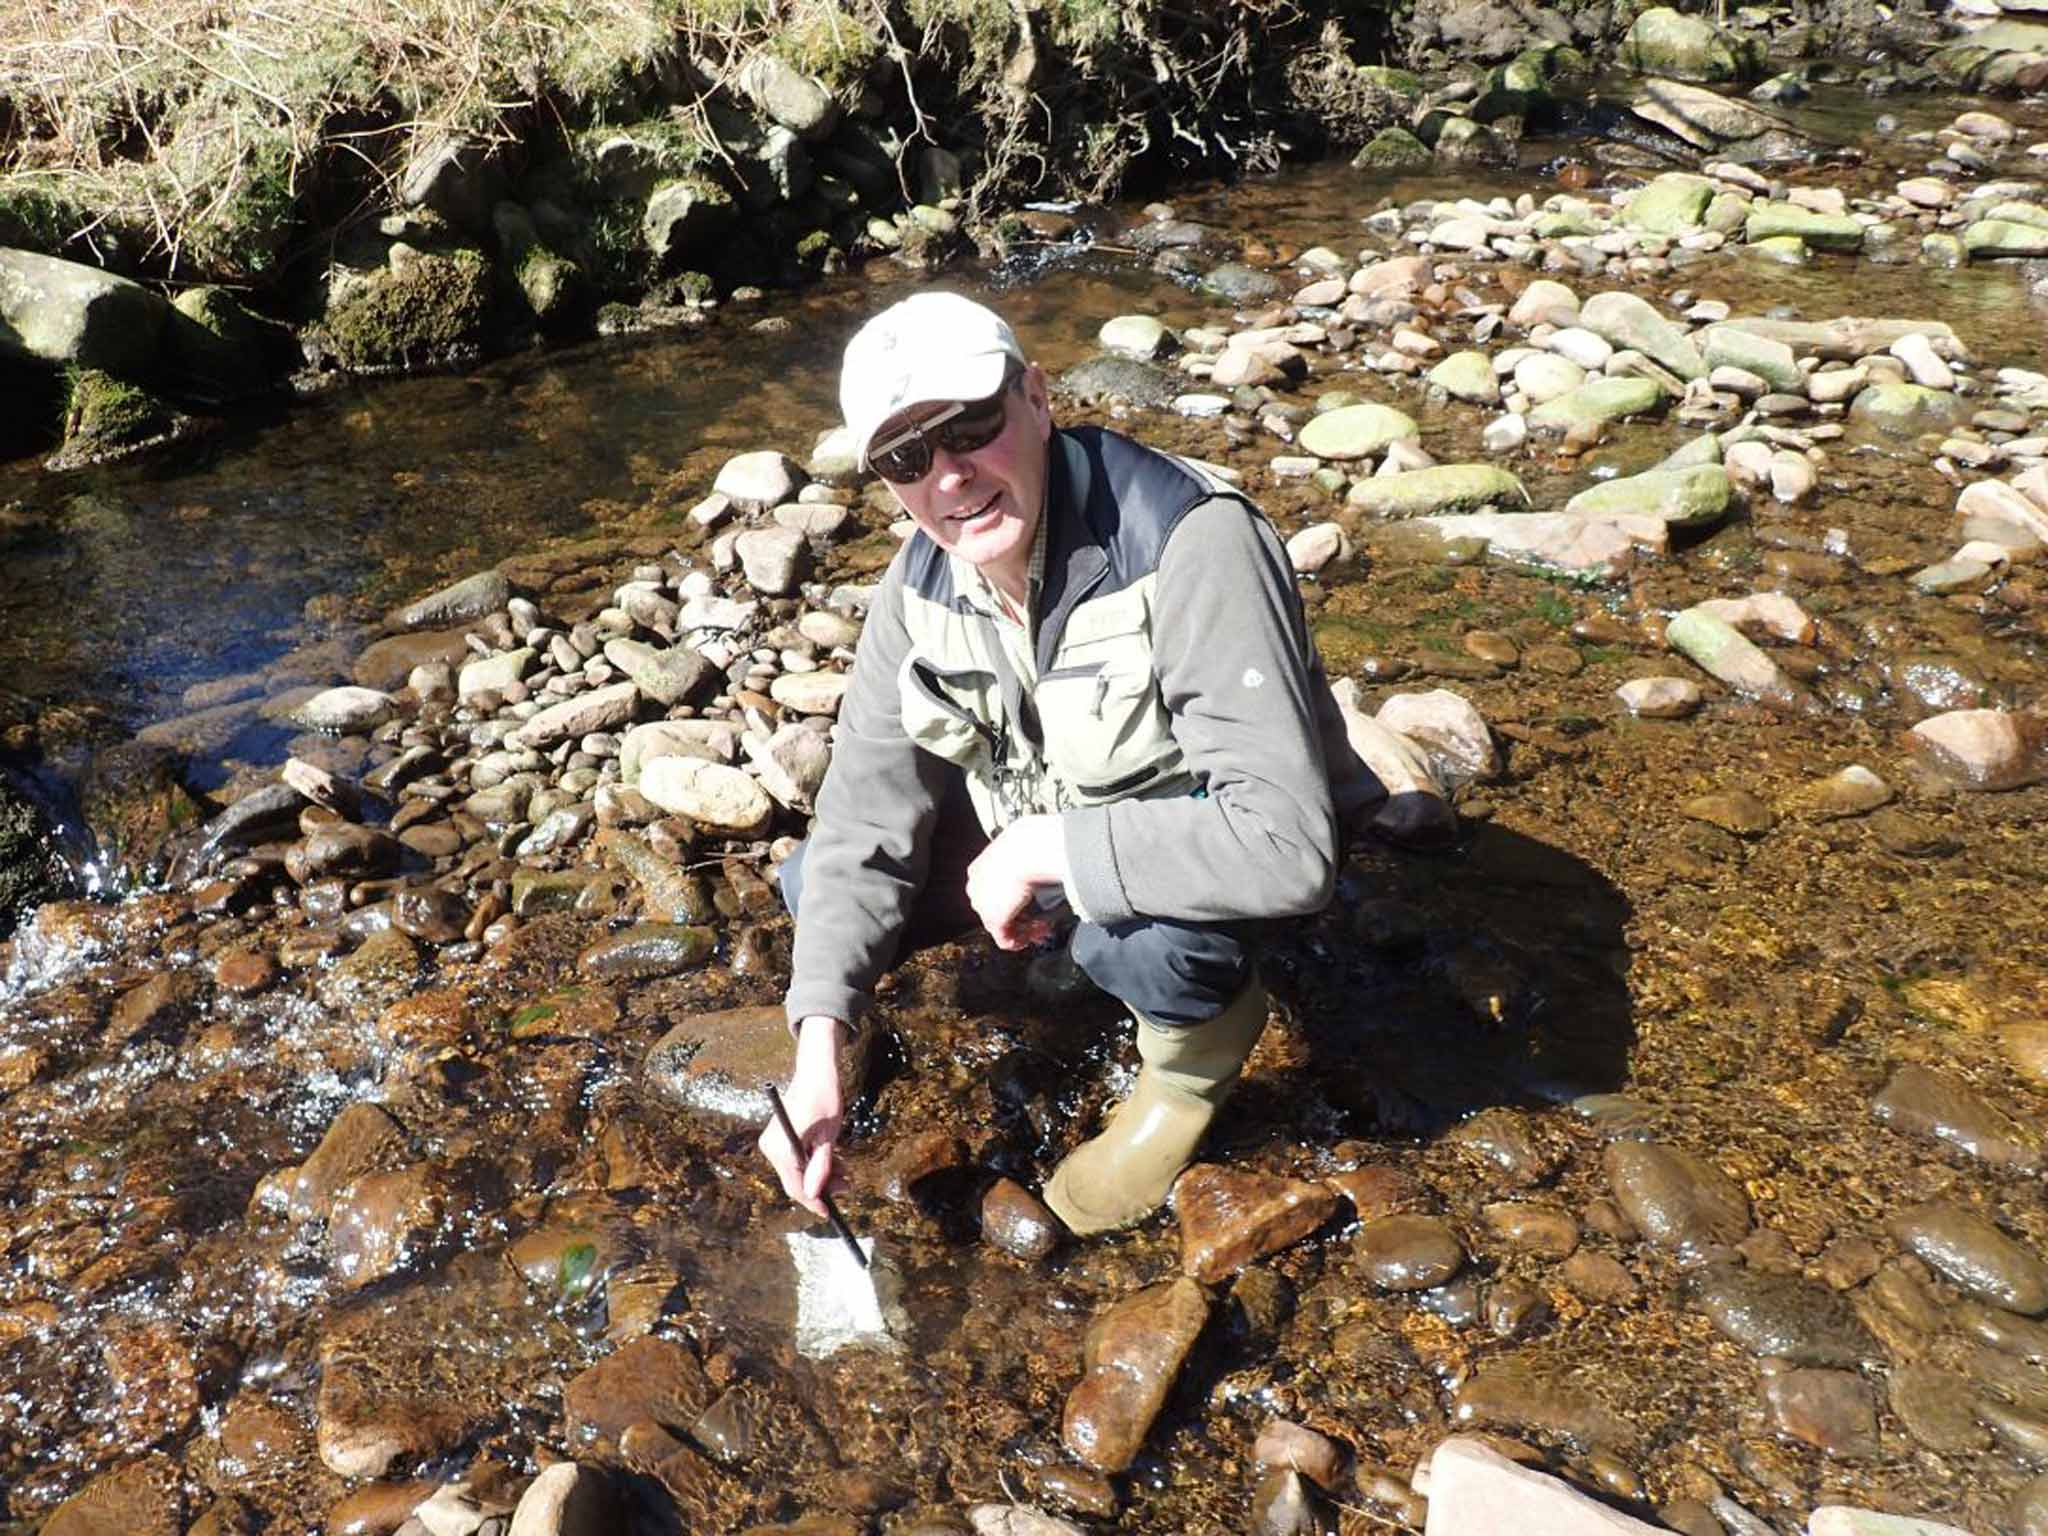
x=421 y=309
x=1664 y=42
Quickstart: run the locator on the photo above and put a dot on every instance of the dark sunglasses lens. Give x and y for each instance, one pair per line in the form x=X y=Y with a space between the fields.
x=975 y=427
x=906 y=463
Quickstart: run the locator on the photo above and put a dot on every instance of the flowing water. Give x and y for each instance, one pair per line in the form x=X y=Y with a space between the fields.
x=1747 y=995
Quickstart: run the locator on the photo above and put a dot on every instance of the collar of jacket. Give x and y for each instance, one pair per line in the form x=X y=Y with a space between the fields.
x=1076 y=552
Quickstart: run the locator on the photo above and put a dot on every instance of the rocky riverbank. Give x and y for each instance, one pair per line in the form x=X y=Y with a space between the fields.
x=145 y=295
x=1673 y=1124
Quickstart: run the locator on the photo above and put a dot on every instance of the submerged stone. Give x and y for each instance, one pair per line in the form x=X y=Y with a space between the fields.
x=1675 y=1199
x=1440 y=488
x=1975 y=1255
x=1783 y=1316
x=1595 y=403
x=1685 y=498
x=1356 y=431
x=1131 y=1359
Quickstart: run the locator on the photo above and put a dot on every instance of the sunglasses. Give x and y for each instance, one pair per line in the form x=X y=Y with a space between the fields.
x=961 y=427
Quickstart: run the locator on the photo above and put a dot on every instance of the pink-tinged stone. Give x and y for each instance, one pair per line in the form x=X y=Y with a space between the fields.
x=1982 y=749
x=1843 y=1520
x=1659 y=698
x=1321 y=295
x=1229 y=1217
x=1831 y=1410
x=1132 y=1356
x=1268 y=362
x=1395 y=275
x=1473 y=1488
x=1769 y=613
x=2004 y=514
x=1298 y=1448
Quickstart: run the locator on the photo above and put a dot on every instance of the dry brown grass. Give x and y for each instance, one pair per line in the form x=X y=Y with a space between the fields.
x=194 y=125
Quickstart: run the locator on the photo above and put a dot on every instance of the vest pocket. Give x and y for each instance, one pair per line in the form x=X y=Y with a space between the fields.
x=950 y=712
x=1106 y=731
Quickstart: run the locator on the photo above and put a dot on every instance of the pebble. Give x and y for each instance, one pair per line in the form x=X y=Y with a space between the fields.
x=1783 y=1316
x=1675 y=1199
x=1920 y=1101
x=1974 y=1254
x=1407 y=1253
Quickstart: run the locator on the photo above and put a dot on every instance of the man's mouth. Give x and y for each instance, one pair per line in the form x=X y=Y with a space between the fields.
x=975 y=514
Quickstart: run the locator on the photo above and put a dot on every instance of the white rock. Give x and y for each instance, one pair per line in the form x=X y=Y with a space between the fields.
x=1980 y=748
x=1793 y=477
x=1748 y=463
x=1316 y=546
x=759 y=480
x=1581 y=346
x=773 y=559
x=791 y=764
x=1201 y=405
x=1843 y=1520
x=602 y=709
x=1473 y=1489
x=1992 y=511
x=346 y=710
x=1917 y=353
x=1547 y=375
x=1504 y=434
x=810 y=693
x=1417 y=808
x=711 y=794
x=713 y=740
x=494 y=674
x=714 y=612
x=1139 y=336
x=1449 y=729
x=1659 y=698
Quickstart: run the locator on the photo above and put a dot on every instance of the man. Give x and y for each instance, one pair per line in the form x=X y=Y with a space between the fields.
x=1101 y=650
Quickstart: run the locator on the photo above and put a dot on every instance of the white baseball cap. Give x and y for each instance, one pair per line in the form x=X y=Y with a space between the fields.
x=928 y=347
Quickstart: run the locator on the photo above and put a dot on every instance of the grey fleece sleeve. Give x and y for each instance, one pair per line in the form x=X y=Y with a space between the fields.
x=1230 y=652
x=869 y=846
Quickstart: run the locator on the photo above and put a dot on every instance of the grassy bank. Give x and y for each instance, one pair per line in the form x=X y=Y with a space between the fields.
x=218 y=140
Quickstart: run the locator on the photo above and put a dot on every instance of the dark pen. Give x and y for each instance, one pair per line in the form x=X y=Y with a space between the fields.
x=838 y=1221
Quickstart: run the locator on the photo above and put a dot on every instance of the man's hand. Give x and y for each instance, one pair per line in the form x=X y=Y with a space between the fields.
x=1024 y=858
x=815 y=1110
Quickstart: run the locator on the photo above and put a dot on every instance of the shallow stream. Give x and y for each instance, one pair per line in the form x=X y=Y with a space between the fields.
x=1591 y=962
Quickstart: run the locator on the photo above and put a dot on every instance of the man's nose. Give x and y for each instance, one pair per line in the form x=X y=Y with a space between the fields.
x=953 y=469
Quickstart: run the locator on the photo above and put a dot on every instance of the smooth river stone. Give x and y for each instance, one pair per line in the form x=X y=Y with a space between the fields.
x=1547 y=1231
x=1921 y=1102
x=1016 y=1221
x=1937 y=1407
x=647 y=950
x=1982 y=749
x=716 y=1064
x=1229 y=1217
x=722 y=798
x=1783 y=1315
x=1131 y=1357
x=1509 y=1144
x=1831 y=1410
x=363 y=1138
x=143 y=1498
x=1356 y=431
x=1673 y=1198
x=602 y=709
x=1474 y=1489
x=1975 y=1255
x=1521 y=1400
x=1407 y=1253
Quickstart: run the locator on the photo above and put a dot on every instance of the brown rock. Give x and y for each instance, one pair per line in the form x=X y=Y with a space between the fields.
x=387 y=664
x=1016 y=1221
x=430 y=913
x=1407 y=1253
x=1509 y=1145
x=1599 y=1277
x=1229 y=1217
x=342 y=848
x=1919 y=1101
x=928 y=1154
x=380 y=1222
x=378 y=1509
x=1938 y=1408
x=714 y=1064
x=1379 y=1190
x=158 y=1008
x=257 y=1439
x=1546 y=1231
x=1297 y=1448
x=1828 y=1409
x=143 y=1498
x=1675 y=1199
x=155 y=1380
x=1131 y=1357
x=362 y=1139
x=244 y=970
x=651 y=1379
x=1521 y=1400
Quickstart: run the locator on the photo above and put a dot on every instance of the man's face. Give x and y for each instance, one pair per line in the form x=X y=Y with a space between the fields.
x=984 y=504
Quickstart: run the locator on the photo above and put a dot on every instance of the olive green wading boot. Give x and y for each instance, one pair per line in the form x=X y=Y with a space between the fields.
x=1125 y=1174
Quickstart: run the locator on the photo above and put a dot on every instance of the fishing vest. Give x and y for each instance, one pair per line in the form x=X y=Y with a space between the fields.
x=1091 y=728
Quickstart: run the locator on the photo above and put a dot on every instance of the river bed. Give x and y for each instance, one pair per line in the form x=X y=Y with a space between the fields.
x=1609 y=955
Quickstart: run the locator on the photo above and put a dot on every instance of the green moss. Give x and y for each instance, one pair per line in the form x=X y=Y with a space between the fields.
x=38 y=215
x=104 y=412
x=416 y=315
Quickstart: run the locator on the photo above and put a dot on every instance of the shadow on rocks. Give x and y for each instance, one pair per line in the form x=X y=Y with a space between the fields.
x=1437 y=985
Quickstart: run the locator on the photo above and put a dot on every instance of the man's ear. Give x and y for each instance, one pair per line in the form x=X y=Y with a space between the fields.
x=1039 y=397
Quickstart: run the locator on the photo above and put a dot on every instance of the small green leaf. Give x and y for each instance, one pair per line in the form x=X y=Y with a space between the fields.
x=578 y=1270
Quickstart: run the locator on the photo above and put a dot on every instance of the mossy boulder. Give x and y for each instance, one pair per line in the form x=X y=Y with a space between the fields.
x=1821 y=231
x=1988 y=239
x=421 y=309
x=70 y=314
x=685 y=221
x=1664 y=42
x=1905 y=410
x=552 y=286
x=1392 y=150
x=1686 y=498
x=107 y=417
x=1671 y=204
x=1511 y=90
x=1399 y=82
x=1438 y=489
x=1461 y=141
x=1596 y=402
